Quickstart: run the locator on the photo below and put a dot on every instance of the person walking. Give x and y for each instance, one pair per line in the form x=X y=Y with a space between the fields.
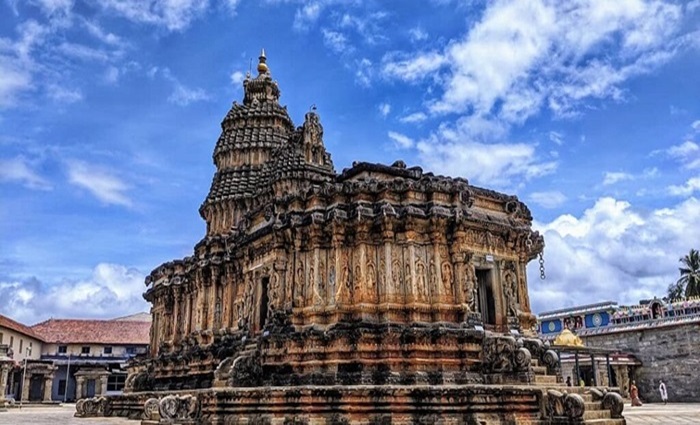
x=662 y=391
x=634 y=395
x=568 y=381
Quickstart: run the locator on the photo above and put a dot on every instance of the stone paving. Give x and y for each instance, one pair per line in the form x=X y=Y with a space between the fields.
x=649 y=414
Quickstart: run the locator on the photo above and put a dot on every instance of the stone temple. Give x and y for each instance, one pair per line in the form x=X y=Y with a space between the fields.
x=379 y=295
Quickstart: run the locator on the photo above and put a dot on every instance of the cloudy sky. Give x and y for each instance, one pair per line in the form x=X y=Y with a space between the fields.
x=589 y=111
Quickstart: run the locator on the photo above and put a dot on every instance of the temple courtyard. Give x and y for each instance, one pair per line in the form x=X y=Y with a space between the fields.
x=649 y=414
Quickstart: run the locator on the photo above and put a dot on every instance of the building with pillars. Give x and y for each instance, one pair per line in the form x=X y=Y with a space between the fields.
x=90 y=356
x=380 y=294
x=653 y=340
x=68 y=359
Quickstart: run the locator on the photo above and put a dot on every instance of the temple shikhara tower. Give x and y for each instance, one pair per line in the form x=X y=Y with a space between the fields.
x=383 y=294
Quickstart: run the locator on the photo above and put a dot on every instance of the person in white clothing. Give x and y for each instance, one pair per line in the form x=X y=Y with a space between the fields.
x=662 y=391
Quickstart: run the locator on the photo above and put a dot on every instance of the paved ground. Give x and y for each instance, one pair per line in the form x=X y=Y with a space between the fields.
x=659 y=414
x=649 y=414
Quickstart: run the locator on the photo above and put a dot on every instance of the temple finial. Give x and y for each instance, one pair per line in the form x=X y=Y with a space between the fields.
x=262 y=66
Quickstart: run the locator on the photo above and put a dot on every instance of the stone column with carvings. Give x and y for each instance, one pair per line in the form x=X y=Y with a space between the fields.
x=177 y=293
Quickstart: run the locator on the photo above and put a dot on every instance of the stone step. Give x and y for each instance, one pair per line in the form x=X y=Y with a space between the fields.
x=593 y=405
x=539 y=370
x=545 y=379
x=605 y=422
x=534 y=362
x=596 y=414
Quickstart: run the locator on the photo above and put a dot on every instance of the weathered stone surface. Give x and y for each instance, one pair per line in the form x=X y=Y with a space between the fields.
x=669 y=353
x=380 y=295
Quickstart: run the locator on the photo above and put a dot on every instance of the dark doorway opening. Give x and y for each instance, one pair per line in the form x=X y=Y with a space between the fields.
x=263 y=301
x=612 y=377
x=487 y=304
x=36 y=387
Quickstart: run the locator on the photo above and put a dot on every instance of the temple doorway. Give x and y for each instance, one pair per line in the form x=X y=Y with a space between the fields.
x=90 y=388
x=487 y=304
x=264 y=283
x=36 y=387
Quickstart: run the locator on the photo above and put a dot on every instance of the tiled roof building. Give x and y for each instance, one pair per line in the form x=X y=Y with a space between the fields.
x=93 y=331
x=68 y=359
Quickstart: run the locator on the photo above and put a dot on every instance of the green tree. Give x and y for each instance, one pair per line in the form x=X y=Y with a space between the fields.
x=675 y=291
x=690 y=273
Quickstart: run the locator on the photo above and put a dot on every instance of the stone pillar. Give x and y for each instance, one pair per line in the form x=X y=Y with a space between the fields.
x=25 y=385
x=79 y=381
x=4 y=372
x=103 y=385
x=5 y=368
x=48 y=384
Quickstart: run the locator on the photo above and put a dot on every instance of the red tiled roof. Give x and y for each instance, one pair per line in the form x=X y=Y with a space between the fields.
x=6 y=322
x=72 y=331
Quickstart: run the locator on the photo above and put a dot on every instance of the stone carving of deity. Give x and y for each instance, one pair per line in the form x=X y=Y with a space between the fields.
x=344 y=282
x=382 y=274
x=469 y=286
x=299 y=288
x=358 y=282
x=420 y=279
x=408 y=279
x=320 y=287
x=511 y=292
x=447 y=278
x=371 y=280
x=311 y=283
x=395 y=272
x=432 y=276
x=331 y=283
x=274 y=291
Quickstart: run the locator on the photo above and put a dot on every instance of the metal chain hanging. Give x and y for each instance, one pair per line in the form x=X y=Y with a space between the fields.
x=542 y=276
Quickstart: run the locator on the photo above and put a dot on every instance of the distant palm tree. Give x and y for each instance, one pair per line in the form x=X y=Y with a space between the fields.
x=690 y=273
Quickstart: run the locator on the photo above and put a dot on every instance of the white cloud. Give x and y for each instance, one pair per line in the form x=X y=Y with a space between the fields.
x=384 y=109
x=231 y=5
x=237 y=78
x=613 y=251
x=417 y=34
x=363 y=72
x=691 y=186
x=414 y=117
x=556 y=137
x=494 y=164
x=112 y=75
x=19 y=169
x=174 y=15
x=104 y=36
x=63 y=94
x=101 y=183
x=14 y=80
x=54 y=8
x=112 y=290
x=307 y=15
x=688 y=153
x=615 y=177
x=412 y=68
x=183 y=96
x=526 y=55
x=401 y=141
x=335 y=41
x=549 y=200
x=695 y=125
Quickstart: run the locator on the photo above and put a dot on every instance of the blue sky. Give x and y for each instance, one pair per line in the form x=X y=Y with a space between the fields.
x=589 y=111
